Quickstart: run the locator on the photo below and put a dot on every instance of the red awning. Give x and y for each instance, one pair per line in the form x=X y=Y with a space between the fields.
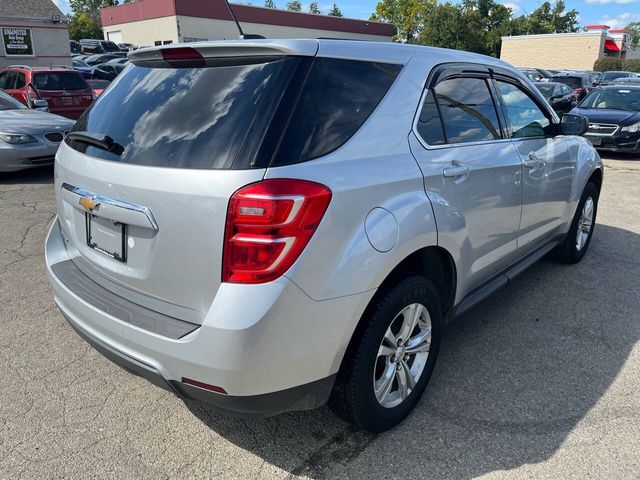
x=611 y=46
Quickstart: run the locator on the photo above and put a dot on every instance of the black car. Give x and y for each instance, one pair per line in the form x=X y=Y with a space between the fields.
x=580 y=83
x=108 y=71
x=94 y=60
x=559 y=96
x=614 y=117
x=609 y=77
x=94 y=45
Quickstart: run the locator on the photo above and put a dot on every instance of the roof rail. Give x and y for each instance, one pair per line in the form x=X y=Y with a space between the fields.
x=66 y=67
x=26 y=67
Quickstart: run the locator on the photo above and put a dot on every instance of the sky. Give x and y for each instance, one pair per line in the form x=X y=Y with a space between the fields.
x=615 y=13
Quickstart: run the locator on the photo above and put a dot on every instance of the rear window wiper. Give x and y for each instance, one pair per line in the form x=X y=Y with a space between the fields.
x=104 y=142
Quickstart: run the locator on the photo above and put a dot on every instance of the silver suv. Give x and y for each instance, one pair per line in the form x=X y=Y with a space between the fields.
x=270 y=225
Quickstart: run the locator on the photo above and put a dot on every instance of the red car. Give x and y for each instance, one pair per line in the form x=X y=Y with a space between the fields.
x=67 y=93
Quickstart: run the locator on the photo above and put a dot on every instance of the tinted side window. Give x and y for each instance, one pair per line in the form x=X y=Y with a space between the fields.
x=21 y=81
x=526 y=118
x=3 y=79
x=10 y=81
x=429 y=123
x=467 y=109
x=336 y=99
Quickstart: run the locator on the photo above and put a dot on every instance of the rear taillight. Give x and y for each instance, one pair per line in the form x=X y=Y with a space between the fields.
x=269 y=224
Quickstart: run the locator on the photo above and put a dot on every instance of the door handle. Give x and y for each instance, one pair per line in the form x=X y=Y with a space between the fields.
x=457 y=170
x=534 y=162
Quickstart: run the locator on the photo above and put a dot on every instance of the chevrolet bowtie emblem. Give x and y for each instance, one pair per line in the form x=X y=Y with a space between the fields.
x=88 y=203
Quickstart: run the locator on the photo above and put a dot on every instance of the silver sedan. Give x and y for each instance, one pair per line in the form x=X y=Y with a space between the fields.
x=28 y=138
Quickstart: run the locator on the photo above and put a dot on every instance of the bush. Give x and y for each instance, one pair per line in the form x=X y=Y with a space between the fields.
x=632 y=65
x=607 y=63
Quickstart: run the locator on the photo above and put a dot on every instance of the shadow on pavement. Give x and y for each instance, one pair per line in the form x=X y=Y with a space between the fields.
x=32 y=176
x=513 y=379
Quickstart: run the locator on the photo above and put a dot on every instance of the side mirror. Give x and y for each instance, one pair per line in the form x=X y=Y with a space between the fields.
x=573 y=125
x=40 y=104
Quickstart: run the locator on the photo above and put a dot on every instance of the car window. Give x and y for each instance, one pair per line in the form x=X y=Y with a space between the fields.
x=59 y=81
x=10 y=81
x=564 y=90
x=467 y=109
x=3 y=79
x=20 y=81
x=526 y=118
x=429 y=125
x=620 y=99
x=336 y=99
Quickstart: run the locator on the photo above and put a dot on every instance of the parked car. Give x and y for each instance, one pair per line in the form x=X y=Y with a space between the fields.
x=257 y=235
x=28 y=138
x=94 y=60
x=107 y=71
x=536 y=74
x=118 y=61
x=614 y=117
x=65 y=91
x=126 y=47
x=98 y=86
x=607 y=77
x=560 y=96
x=580 y=83
x=82 y=67
x=93 y=46
x=626 y=81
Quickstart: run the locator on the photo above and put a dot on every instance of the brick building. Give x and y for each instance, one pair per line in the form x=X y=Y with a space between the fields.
x=33 y=32
x=577 y=51
x=157 y=22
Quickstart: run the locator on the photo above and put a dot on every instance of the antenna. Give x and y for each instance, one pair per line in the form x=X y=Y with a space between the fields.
x=243 y=36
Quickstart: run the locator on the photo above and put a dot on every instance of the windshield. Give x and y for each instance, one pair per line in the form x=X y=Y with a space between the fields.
x=612 y=99
x=110 y=47
x=59 y=81
x=546 y=90
x=9 y=103
x=608 y=76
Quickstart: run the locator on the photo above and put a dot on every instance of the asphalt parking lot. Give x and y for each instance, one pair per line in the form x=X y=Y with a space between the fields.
x=542 y=380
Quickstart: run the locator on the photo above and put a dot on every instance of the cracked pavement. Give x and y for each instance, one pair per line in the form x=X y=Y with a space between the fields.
x=539 y=381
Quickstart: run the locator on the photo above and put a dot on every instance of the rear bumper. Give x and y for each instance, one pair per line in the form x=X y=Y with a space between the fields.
x=270 y=347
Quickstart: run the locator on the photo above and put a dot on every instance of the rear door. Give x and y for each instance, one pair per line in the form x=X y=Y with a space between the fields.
x=547 y=163
x=67 y=92
x=471 y=173
x=146 y=218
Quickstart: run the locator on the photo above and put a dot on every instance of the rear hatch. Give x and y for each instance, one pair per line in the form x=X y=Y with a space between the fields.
x=67 y=92
x=144 y=179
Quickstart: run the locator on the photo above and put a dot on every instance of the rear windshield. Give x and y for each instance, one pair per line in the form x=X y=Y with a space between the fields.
x=278 y=112
x=573 y=82
x=546 y=90
x=608 y=76
x=59 y=81
x=110 y=47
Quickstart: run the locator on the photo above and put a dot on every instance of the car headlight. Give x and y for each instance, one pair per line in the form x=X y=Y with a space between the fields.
x=631 y=128
x=17 y=138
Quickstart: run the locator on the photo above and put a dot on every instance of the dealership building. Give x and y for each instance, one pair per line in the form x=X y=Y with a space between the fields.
x=566 y=51
x=160 y=22
x=34 y=33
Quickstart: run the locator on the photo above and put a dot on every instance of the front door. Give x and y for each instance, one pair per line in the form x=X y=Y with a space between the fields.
x=547 y=165
x=472 y=176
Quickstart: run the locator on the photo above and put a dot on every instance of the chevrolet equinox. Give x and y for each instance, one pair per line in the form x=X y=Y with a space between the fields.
x=270 y=225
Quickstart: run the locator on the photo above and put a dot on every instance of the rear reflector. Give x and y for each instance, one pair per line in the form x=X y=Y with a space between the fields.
x=269 y=224
x=183 y=57
x=206 y=386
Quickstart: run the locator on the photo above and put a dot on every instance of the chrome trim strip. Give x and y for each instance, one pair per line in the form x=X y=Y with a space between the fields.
x=114 y=203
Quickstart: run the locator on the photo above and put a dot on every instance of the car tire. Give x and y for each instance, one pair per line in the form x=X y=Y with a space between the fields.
x=354 y=394
x=574 y=247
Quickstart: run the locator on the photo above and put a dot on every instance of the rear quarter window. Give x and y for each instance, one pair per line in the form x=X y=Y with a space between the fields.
x=336 y=99
x=59 y=81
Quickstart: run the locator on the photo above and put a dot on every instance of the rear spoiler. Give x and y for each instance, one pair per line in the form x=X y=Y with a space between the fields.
x=221 y=52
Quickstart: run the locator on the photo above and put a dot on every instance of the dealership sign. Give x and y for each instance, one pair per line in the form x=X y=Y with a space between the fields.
x=17 y=41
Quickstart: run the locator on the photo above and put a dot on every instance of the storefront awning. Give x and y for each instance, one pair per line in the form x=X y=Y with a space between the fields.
x=611 y=46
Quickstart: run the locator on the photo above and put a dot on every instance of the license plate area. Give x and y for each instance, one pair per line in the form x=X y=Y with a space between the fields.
x=106 y=236
x=595 y=140
x=67 y=101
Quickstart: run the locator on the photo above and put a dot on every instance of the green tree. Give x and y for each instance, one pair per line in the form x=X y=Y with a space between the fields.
x=270 y=4
x=552 y=19
x=294 y=6
x=634 y=29
x=407 y=16
x=313 y=8
x=84 y=21
x=334 y=11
